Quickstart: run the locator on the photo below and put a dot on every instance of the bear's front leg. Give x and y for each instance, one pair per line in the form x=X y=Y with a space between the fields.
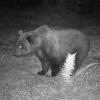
x=44 y=63
x=45 y=69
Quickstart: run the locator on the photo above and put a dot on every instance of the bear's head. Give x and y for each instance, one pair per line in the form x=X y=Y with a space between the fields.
x=29 y=42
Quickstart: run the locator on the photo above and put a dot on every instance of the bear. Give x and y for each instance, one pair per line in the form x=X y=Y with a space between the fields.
x=52 y=46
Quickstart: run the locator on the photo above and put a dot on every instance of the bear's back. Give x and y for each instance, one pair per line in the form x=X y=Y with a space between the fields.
x=57 y=43
x=69 y=39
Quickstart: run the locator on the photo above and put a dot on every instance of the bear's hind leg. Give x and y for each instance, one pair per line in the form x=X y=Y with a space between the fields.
x=55 y=68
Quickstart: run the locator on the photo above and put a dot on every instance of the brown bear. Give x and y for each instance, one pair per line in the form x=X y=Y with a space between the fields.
x=51 y=46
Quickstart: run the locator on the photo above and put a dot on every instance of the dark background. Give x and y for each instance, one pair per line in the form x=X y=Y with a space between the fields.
x=78 y=6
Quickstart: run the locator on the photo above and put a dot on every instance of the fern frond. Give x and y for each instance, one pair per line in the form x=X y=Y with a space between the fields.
x=68 y=67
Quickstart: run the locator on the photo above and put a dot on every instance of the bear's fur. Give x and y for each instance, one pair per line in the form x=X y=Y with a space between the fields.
x=51 y=46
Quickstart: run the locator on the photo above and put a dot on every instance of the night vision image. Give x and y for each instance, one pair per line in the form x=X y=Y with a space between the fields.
x=50 y=50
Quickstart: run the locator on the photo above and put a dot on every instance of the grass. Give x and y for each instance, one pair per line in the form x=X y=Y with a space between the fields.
x=18 y=76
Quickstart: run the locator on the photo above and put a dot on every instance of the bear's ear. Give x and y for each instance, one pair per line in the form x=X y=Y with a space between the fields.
x=20 y=32
x=42 y=29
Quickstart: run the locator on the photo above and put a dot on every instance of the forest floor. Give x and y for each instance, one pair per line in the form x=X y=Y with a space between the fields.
x=18 y=76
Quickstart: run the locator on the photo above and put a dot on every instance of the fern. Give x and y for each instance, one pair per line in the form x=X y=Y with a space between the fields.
x=68 y=67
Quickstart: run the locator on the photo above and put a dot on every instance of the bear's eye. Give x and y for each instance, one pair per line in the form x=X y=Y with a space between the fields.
x=20 y=46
